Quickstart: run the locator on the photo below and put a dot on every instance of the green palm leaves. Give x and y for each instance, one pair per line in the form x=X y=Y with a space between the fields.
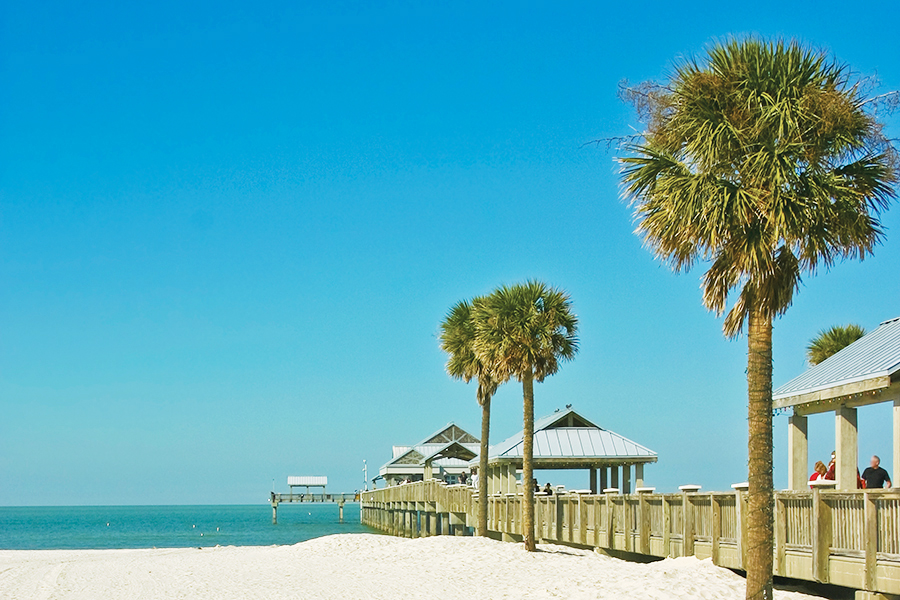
x=764 y=161
x=520 y=332
x=831 y=341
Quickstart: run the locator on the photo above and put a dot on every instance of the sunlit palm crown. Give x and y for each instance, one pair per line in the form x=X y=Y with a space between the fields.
x=831 y=341
x=458 y=341
x=525 y=328
x=763 y=160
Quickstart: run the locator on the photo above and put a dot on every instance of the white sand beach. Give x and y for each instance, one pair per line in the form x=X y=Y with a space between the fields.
x=359 y=566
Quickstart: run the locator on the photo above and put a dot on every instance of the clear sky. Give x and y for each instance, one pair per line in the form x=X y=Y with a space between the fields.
x=228 y=234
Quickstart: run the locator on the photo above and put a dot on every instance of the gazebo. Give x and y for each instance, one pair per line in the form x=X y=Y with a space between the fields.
x=865 y=372
x=447 y=450
x=567 y=440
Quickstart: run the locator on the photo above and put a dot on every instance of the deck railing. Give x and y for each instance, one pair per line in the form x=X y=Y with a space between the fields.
x=844 y=538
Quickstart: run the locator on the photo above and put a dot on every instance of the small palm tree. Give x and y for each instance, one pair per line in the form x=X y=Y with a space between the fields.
x=524 y=331
x=831 y=341
x=458 y=341
x=765 y=162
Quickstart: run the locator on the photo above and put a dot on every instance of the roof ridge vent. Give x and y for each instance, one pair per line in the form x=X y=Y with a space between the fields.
x=890 y=321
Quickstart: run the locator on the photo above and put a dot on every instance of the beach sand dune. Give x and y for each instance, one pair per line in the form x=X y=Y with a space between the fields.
x=360 y=566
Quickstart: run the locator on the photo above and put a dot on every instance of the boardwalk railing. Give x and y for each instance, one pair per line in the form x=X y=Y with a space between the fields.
x=843 y=538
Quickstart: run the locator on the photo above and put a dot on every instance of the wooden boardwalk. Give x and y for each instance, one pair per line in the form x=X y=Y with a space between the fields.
x=850 y=539
x=339 y=499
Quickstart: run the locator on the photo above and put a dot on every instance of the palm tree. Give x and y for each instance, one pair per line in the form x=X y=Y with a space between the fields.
x=524 y=331
x=458 y=341
x=831 y=341
x=764 y=162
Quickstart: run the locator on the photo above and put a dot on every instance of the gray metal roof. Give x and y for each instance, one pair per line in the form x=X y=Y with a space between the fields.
x=877 y=354
x=554 y=440
x=413 y=458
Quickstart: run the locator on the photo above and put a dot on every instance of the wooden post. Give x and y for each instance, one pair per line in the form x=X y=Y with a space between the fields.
x=845 y=435
x=667 y=527
x=798 y=452
x=274 y=512
x=613 y=477
x=740 y=509
x=821 y=537
x=604 y=478
x=560 y=515
x=593 y=480
x=716 y=527
x=780 y=536
x=896 y=464
x=639 y=475
x=570 y=519
x=596 y=500
x=644 y=523
x=341 y=511
x=582 y=518
x=687 y=521
x=610 y=521
x=626 y=479
x=870 y=541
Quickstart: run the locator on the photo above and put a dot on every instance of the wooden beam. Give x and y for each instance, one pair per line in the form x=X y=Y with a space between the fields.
x=849 y=389
x=798 y=452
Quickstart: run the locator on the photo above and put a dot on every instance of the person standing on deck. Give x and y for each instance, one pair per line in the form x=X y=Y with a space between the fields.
x=874 y=476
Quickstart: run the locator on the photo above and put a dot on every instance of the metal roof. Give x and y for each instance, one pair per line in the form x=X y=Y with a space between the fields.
x=412 y=459
x=875 y=355
x=554 y=440
x=311 y=481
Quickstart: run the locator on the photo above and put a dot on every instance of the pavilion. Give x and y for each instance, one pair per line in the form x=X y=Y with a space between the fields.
x=567 y=440
x=865 y=372
x=446 y=453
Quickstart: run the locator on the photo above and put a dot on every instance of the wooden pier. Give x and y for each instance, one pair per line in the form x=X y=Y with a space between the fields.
x=850 y=539
x=339 y=499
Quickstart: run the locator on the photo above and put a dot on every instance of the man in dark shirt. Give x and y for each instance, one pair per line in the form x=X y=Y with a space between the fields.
x=874 y=476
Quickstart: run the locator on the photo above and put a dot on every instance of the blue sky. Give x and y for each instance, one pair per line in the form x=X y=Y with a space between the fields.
x=228 y=234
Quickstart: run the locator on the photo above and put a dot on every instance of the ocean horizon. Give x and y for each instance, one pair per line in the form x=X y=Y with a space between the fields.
x=170 y=526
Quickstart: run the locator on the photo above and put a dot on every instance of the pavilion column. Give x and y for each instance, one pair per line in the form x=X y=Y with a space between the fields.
x=428 y=471
x=845 y=437
x=614 y=476
x=604 y=478
x=495 y=480
x=798 y=452
x=511 y=479
x=593 y=477
x=626 y=479
x=639 y=475
x=896 y=465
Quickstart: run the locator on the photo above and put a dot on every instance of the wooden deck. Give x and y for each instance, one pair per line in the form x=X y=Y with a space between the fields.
x=850 y=539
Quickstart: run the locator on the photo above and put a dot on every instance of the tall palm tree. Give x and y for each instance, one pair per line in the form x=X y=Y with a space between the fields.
x=764 y=162
x=831 y=341
x=458 y=341
x=524 y=331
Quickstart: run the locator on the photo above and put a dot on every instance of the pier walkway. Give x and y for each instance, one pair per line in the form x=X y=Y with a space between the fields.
x=843 y=538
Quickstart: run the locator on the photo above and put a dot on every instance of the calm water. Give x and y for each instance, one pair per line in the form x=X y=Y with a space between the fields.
x=32 y=528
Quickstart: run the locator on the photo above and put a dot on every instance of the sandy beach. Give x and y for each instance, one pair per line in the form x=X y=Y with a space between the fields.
x=359 y=566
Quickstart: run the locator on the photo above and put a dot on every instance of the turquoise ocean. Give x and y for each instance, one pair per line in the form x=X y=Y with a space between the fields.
x=93 y=527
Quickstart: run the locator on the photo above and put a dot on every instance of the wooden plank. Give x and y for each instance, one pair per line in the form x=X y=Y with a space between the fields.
x=716 y=529
x=870 y=542
x=780 y=536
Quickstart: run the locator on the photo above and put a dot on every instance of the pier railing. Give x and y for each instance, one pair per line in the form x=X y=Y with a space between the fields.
x=844 y=538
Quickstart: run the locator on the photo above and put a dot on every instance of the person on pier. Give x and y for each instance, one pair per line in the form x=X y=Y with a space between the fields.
x=875 y=476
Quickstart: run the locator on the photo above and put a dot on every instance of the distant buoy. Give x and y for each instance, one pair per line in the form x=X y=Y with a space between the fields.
x=193 y=526
x=107 y=524
x=201 y=535
x=217 y=528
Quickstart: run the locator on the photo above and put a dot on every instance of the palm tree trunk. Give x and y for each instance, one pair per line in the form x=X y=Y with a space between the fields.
x=527 y=469
x=760 y=498
x=483 y=466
